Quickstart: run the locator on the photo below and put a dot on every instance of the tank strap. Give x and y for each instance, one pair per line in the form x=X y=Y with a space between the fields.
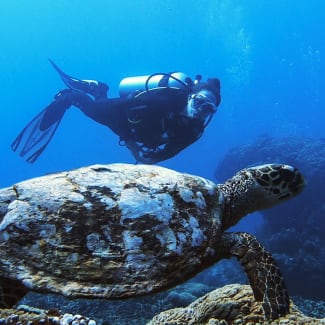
x=164 y=80
x=188 y=82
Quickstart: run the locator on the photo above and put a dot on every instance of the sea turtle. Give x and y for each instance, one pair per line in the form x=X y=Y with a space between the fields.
x=120 y=230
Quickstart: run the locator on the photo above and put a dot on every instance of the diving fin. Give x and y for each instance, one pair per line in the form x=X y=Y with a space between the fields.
x=94 y=88
x=36 y=135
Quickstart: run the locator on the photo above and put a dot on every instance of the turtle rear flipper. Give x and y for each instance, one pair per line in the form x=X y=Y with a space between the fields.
x=263 y=273
x=11 y=291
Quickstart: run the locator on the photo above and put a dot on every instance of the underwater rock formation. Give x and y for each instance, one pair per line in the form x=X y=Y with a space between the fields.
x=34 y=316
x=231 y=304
x=295 y=231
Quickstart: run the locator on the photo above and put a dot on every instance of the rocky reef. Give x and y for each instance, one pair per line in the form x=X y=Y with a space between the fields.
x=35 y=316
x=231 y=304
x=294 y=232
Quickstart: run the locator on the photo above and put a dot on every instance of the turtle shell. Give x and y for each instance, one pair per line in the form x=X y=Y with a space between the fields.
x=108 y=230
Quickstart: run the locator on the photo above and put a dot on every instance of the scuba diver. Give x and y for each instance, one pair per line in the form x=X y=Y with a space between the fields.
x=155 y=117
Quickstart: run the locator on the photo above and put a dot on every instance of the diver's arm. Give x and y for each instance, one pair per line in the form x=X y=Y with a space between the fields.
x=152 y=156
x=183 y=131
x=170 y=149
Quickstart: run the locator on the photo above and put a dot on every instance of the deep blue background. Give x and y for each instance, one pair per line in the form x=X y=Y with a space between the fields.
x=269 y=56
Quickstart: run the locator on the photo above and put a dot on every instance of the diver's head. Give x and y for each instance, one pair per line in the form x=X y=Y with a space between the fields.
x=204 y=100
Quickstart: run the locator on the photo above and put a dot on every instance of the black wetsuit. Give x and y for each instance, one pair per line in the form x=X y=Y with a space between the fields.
x=151 y=124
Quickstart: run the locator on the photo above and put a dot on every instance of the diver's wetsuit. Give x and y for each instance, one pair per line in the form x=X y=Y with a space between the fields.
x=150 y=124
x=154 y=123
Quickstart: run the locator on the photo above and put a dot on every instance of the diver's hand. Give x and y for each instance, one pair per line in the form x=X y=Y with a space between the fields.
x=142 y=154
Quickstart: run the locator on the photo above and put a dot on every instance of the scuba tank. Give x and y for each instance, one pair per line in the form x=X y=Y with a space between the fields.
x=133 y=85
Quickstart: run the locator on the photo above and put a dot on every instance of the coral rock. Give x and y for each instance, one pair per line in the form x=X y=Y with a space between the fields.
x=231 y=304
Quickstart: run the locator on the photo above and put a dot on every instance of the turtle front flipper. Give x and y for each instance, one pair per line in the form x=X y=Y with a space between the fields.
x=263 y=273
x=11 y=291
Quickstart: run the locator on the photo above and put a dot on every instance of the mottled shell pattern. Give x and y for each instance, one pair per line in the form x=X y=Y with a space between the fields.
x=139 y=229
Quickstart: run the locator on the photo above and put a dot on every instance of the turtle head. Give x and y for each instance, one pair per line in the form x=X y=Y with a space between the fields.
x=258 y=188
x=278 y=182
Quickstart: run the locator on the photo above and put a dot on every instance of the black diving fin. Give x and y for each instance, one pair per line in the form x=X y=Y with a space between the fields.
x=37 y=134
x=33 y=139
x=94 y=88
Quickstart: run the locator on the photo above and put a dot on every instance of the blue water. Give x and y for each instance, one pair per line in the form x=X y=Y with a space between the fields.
x=269 y=56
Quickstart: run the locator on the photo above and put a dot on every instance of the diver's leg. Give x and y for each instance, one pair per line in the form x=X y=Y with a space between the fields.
x=37 y=134
x=55 y=110
x=108 y=112
x=95 y=88
x=61 y=102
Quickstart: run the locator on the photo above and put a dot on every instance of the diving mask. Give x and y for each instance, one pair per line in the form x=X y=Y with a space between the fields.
x=201 y=105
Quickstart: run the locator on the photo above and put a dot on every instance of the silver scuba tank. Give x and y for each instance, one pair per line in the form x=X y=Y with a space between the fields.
x=132 y=85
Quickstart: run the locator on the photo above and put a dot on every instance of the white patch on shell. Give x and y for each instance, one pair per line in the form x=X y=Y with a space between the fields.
x=197 y=234
x=182 y=240
x=186 y=194
x=191 y=227
x=189 y=196
x=199 y=200
x=135 y=258
x=52 y=191
x=208 y=185
x=76 y=197
x=132 y=242
x=88 y=205
x=108 y=202
x=15 y=215
x=135 y=204
x=167 y=238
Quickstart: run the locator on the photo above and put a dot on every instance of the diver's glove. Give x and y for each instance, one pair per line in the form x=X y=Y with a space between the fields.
x=146 y=155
